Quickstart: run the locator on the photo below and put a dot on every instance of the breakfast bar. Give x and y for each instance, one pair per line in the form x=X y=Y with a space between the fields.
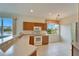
x=18 y=48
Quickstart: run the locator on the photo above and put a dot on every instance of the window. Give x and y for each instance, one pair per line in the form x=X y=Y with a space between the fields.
x=52 y=28
x=5 y=27
x=0 y=26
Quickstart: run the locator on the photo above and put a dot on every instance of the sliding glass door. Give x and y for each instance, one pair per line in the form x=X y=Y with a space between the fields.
x=0 y=26
x=5 y=27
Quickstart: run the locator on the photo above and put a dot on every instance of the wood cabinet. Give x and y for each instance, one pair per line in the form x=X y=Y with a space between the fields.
x=44 y=40
x=42 y=25
x=30 y=25
x=31 y=41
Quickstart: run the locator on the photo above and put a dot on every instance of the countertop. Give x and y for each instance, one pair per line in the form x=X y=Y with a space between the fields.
x=37 y=34
x=32 y=33
x=5 y=39
x=20 y=48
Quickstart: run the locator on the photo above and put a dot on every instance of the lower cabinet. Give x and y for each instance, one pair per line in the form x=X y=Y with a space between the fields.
x=31 y=41
x=44 y=40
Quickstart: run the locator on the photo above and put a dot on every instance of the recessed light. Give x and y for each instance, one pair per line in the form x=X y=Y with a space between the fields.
x=31 y=10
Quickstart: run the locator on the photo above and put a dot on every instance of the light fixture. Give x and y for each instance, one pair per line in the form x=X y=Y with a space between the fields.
x=31 y=10
x=57 y=16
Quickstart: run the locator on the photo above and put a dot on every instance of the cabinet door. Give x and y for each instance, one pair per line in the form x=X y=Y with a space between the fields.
x=36 y=24
x=28 y=26
x=44 y=26
x=31 y=41
x=44 y=40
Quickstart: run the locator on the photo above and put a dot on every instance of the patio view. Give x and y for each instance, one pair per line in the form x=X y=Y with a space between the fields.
x=5 y=27
x=52 y=28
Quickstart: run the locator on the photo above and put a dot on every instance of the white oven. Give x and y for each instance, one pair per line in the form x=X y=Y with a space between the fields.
x=38 y=40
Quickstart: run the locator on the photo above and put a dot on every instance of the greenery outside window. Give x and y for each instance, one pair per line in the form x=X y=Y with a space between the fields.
x=52 y=28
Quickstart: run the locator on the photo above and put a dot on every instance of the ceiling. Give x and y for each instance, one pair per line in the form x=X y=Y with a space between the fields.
x=40 y=10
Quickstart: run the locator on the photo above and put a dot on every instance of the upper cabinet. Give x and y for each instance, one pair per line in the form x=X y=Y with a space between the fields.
x=44 y=27
x=30 y=25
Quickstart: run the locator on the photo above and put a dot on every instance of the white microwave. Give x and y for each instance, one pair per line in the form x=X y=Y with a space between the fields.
x=37 y=30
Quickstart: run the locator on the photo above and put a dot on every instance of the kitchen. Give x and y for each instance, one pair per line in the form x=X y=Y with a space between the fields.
x=35 y=23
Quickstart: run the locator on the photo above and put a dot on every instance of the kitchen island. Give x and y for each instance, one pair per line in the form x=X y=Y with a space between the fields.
x=19 y=48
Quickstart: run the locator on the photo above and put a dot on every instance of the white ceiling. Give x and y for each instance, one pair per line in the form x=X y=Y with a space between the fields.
x=41 y=10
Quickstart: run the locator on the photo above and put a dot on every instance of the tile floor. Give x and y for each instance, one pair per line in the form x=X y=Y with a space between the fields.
x=54 y=49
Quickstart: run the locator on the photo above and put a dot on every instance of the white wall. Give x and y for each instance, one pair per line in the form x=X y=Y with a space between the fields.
x=31 y=19
x=19 y=25
x=73 y=32
x=68 y=28
x=66 y=33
